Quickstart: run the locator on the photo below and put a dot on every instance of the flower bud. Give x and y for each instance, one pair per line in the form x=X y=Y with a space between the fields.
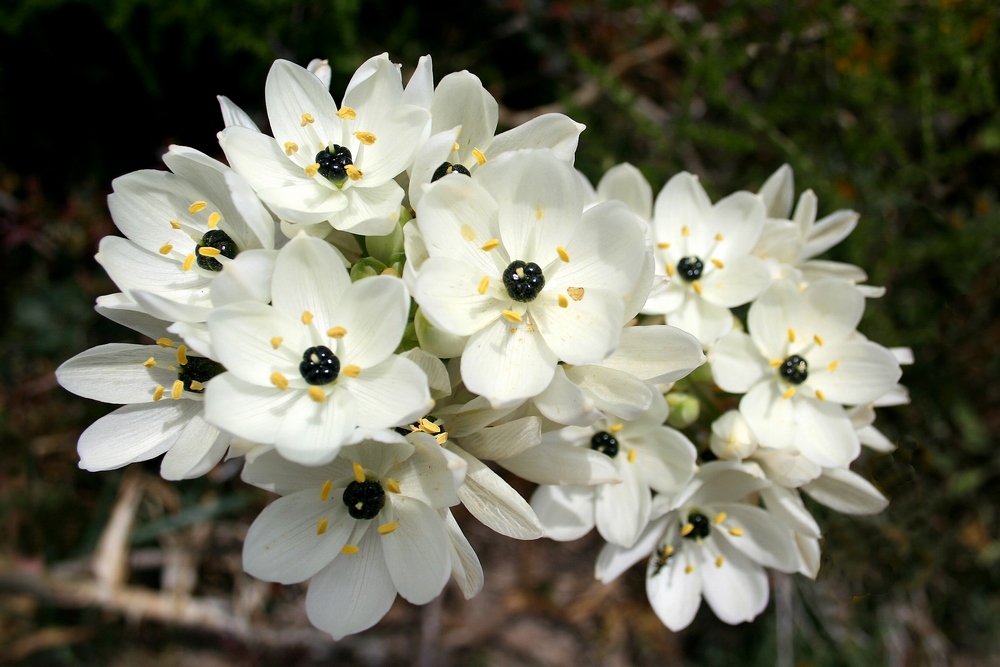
x=684 y=409
x=441 y=344
x=731 y=437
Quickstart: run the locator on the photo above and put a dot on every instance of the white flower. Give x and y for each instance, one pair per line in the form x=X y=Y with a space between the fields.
x=515 y=264
x=306 y=371
x=705 y=251
x=707 y=542
x=648 y=457
x=326 y=164
x=799 y=364
x=371 y=523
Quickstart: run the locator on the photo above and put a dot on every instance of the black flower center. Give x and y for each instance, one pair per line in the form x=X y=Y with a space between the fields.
x=523 y=281
x=221 y=241
x=365 y=499
x=690 y=268
x=794 y=369
x=333 y=163
x=319 y=365
x=701 y=526
x=446 y=168
x=605 y=443
x=200 y=370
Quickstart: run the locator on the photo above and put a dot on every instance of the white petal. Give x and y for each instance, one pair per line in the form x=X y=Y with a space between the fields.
x=266 y=469
x=449 y=297
x=460 y=99
x=613 y=560
x=787 y=467
x=291 y=91
x=560 y=463
x=374 y=312
x=507 y=367
x=419 y=89
x=864 y=371
x=465 y=565
x=429 y=157
x=133 y=433
x=847 y=492
x=739 y=218
x=613 y=391
x=682 y=202
x=308 y=277
x=131 y=268
x=674 y=594
x=705 y=321
x=259 y=159
x=778 y=192
x=566 y=512
x=233 y=115
x=551 y=130
x=197 y=450
x=585 y=331
x=740 y=281
x=417 y=551
x=771 y=418
x=829 y=231
x=565 y=403
x=246 y=410
x=304 y=201
x=456 y=218
x=494 y=502
x=392 y=393
x=656 y=354
x=168 y=310
x=737 y=364
x=371 y=211
x=123 y=310
x=312 y=433
x=244 y=332
x=786 y=505
x=622 y=510
x=248 y=277
x=737 y=591
x=433 y=368
x=627 y=184
x=765 y=540
x=824 y=433
x=322 y=70
x=808 y=555
x=666 y=459
x=607 y=251
x=505 y=440
x=115 y=373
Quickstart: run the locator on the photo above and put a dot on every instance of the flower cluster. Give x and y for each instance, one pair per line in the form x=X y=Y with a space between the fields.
x=386 y=305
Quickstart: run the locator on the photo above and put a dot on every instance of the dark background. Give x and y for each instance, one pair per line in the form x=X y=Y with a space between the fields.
x=889 y=108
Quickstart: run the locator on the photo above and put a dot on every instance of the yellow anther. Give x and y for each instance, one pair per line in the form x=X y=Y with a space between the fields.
x=670 y=270
x=349 y=550
x=428 y=426
x=441 y=438
x=818 y=339
x=387 y=528
x=158 y=392
x=832 y=366
x=196 y=386
x=307 y=317
x=668 y=552
x=213 y=220
x=279 y=380
x=718 y=237
x=685 y=231
x=347 y=113
x=774 y=363
x=359 y=473
x=791 y=335
x=182 y=354
x=321 y=526
x=290 y=147
x=689 y=569
x=196 y=207
x=276 y=342
x=614 y=428
x=563 y=255
x=166 y=248
x=819 y=395
x=336 y=332
x=149 y=363
x=539 y=213
x=491 y=244
x=175 y=224
x=736 y=532
x=389 y=271
x=455 y=147
x=719 y=518
x=511 y=316
x=317 y=394
x=789 y=392
x=188 y=262
x=367 y=138
x=176 y=390
x=484 y=285
x=393 y=486
x=306 y=119
x=631 y=456
x=324 y=492
x=209 y=252
x=312 y=169
x=351 y=371
x=467 y=232
x=719 y=561
x=686 y=530
x=563 y=301
x=697 y=286
x=164 y=342
x=663 y=246
x=353 y=172
x=575 y=293
x=478 y=154
x=718 y=264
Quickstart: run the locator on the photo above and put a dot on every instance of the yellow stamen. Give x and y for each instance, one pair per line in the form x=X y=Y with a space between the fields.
x=196 y=386
x=686 y=530
x=454 y=147
x=307 y=317
x=491 y=244
x=614 y=428
x=718 y=264
x=317 y=394
x=774 y=363
x=349 y=550
x=818 y=339
x=441 y=438
x=392 y=485
x=832 y=366
x=668 y=552
x=685 y=231
x=306 y=119
x=213 y=220
x=209 y=252
x=387 y=528
x=575 y=293
x=312 y=169
x=511 y=316
x=670 y=270
x=719 y=561
x=164 y=342
x=166 y=248
x=276 y=342
x=182 y=357
x=347 y=113
x=324 y=492
x=467 y=232
x=389 y=271
x=196 y=207
x=662 y=246
x=428 y=426
x=367 y=138
x=351 y=371
x=736 y=532
x=789 y=392
x=336 y=332
x=321 y=526
x=631 y=456
x=791 y=335
x=718 y=237
x=719 y=518
x=697 y=286
x=484 y=285
x=291 y=147
x=176 y=390
x=478 y=154
x=359 y=473
x=188 y=262
x=175 y=224
x=689 y=569
x=563 y=301
x=158 y=392
x=563 y=255
x=353 y=172
x=149 y=363
x=819 y=395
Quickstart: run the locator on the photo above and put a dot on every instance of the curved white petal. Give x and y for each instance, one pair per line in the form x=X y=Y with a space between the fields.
x=197 y=450
x=778 y=192
x=560 y=463
x=555 y=131
x=507 y=363
x=308 y=276
x=116 y=372
x=625 y=183
x=134 y=433
x=737 y=590
x=312 y=433
x=465 y=565
x=622 y=510
x=566 y=512
x=392 y=393
x=764 y=539
x=246 y=410
x=847 y=492
x=656 y=354
x=417 y=552
x=674 y=593
x=494 y=502
x=737 y=365
x=613 y=560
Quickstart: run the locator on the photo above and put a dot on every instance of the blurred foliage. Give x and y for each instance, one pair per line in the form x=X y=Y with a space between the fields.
x=888 y=108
